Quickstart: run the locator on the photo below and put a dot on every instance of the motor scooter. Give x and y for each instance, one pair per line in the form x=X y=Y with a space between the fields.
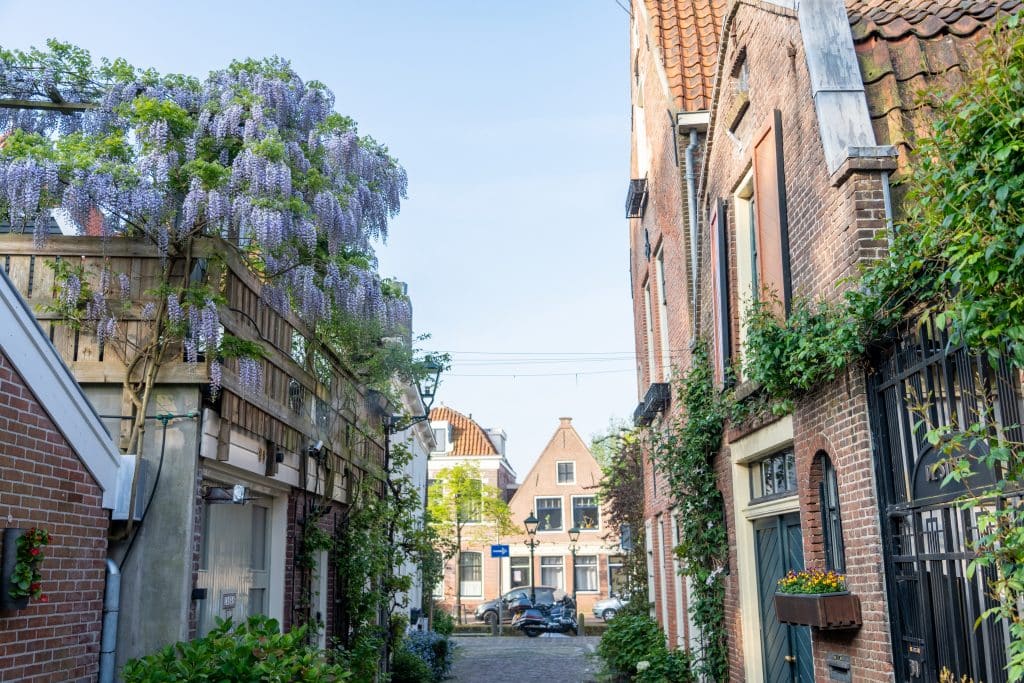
x=533 y=620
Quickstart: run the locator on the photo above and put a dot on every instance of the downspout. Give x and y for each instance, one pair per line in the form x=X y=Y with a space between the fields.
x=111 y=608
x=691 y=198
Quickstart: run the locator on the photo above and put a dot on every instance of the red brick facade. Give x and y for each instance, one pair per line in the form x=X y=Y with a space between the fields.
x=43 y=483
x=763 y=85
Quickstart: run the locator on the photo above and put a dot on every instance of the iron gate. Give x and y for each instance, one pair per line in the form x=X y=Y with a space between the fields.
x=923 y=382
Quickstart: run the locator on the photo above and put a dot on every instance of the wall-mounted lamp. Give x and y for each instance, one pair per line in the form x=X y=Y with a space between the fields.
x=317 y=451
x=219 y=494
x=427 y=388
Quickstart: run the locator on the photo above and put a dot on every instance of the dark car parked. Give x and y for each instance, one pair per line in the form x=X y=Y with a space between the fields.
x=488 y=611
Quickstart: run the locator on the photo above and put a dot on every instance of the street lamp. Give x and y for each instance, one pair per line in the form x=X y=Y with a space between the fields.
x=426 y=387
x=531 y=523
x=574 y=535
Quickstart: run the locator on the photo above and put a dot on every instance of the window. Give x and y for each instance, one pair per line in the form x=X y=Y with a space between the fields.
x=773 y=476
x=746 y=253
x=831 y=524
x=520 y=571
x=585 y=516
x=441 y=439
x=650 y=332
x=471 y=574
x=666 y=357
x=618 y=580
x=585 y=573
x=469 y=508
x=720 y=292
x=566 y=473
x=549 y=512
x=551 y=572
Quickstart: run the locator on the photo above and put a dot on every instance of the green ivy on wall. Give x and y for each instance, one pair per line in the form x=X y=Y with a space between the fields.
x=684 y=452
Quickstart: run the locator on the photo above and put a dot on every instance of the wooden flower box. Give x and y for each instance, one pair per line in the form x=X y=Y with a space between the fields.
x=823 y=611
x=9 y=558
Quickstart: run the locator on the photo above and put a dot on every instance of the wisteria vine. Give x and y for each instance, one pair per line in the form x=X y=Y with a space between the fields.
x=252 y=153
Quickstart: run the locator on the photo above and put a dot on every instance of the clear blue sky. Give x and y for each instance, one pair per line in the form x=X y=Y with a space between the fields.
x=512 y=119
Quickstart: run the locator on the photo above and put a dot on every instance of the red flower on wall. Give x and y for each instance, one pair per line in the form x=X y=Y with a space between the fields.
x=27 y=580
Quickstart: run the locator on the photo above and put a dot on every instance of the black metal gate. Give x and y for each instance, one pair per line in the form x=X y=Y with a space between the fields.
x=923 y=382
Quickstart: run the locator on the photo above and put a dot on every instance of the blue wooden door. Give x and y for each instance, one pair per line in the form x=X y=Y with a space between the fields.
x=785 y=650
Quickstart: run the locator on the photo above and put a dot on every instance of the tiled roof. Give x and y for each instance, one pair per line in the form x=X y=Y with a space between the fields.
x=909 y=47
x=468 y=438
x=687 y=32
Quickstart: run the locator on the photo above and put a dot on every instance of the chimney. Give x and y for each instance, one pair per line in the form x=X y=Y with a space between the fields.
x=565 y=422
x=498 y=438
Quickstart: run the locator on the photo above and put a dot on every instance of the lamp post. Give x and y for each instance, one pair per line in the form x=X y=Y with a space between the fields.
x=531 y=523
x=574 y=535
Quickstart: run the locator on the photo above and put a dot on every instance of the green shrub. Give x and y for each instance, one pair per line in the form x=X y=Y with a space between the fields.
x=408 y=667
x=671 y=666
x=434 y=649
x=444 y=623
x=631 y=637
x=254 y=651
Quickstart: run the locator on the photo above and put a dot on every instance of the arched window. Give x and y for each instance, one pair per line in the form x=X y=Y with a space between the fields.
x=831 y=524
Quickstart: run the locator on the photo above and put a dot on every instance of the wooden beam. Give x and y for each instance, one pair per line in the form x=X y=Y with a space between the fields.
x=62 y=107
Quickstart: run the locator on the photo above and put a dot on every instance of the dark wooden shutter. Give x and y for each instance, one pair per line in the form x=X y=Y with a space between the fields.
x=720 y=293
x=772 y=221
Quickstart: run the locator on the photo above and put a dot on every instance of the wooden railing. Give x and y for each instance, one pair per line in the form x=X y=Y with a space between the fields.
x=302 y=401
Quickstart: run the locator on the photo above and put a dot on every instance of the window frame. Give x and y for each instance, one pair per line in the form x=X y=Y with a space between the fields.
x=558 y=475
x=561 y=509
x=523 y=560
x=551 y=565
x=756 y=473
x=462 y=577
x=597 y=506
x=593 y=569
x=831 y=517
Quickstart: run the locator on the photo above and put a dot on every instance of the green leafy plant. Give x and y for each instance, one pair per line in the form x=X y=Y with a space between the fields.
x=444 y=623
x=27 y=580
x=811 y=581
x=684 y=451
x=254 y=651
x=633 y=648
x=408 y=667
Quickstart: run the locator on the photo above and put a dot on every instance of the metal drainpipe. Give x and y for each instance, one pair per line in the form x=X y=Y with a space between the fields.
x=691 y=196
x=111 y=608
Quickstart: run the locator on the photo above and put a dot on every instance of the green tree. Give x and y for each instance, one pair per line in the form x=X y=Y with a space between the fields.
x=460 y=508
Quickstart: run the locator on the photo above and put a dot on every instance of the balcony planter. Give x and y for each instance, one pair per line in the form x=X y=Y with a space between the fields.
x=827 y=611
x=8 y=559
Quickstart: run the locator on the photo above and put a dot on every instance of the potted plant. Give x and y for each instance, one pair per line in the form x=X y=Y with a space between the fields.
x=22 y=557
x=813 y=597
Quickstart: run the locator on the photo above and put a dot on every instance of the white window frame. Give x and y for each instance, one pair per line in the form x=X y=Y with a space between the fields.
x=594 y=568
x=561 y=571
x=666 y=352
x=460 y=579
x=573 y=512
x=649 y=316
x=566 y=462
x=744 y=233
x=529 y=571
x=561 y=529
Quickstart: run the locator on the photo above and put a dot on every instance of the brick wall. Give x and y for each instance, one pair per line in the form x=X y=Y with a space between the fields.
x=43 y=483
x=832 y=224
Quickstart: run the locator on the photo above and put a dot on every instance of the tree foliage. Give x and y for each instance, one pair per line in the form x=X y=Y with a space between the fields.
x=621 y=492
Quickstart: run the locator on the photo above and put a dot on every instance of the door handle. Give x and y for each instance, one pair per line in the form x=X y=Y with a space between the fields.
x=790 y=658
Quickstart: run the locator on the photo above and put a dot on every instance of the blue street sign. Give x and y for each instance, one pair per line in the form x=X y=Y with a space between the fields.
x=499 y=551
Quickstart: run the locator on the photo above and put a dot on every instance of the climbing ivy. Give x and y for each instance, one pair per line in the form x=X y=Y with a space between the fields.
x=684 y=452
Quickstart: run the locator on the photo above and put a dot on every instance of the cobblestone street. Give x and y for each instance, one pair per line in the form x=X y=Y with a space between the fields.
x=486 y=659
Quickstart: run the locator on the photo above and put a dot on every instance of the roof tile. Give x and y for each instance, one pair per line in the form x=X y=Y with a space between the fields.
x=687 y=32
x=468 y=438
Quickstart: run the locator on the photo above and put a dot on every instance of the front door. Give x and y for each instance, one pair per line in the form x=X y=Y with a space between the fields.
x=786 y=650
x=233 y=563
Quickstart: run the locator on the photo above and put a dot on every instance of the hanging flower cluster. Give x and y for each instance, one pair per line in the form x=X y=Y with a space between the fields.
x=252 y=154
x=26 y=580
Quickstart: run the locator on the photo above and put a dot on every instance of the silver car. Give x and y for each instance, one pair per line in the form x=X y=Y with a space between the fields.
x=606 y=609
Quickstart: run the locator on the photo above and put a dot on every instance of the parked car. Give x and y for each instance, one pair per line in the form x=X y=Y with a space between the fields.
x=488 y=611
x=607 y=609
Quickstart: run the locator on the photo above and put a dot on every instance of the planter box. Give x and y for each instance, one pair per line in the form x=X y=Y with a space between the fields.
x=8 y=558
x=824 y=611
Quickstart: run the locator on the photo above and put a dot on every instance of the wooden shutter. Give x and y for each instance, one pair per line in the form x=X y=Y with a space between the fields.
x=772 y=222
x=720 y=292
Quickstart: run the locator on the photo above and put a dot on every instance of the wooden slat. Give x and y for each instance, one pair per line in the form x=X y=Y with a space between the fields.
x=17 y=271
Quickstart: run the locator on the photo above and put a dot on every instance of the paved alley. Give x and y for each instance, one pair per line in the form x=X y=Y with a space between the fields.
x=486 y=659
